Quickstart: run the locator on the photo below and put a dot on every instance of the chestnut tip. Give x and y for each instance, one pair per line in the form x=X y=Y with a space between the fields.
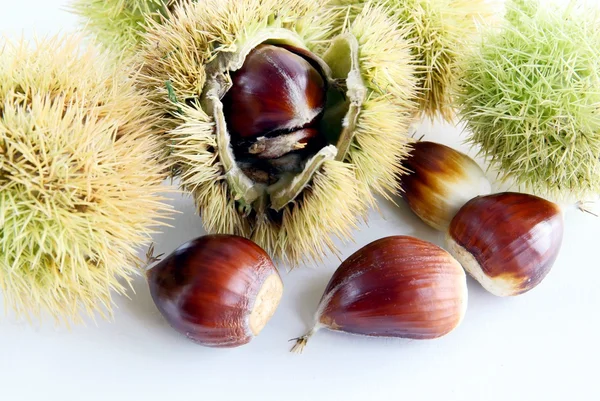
x=439 y=181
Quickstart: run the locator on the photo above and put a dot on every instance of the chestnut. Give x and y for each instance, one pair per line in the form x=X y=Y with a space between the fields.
x=218 y=290
x=439 y=181
x=397 y=286
x=508 y=242
x=276 y=90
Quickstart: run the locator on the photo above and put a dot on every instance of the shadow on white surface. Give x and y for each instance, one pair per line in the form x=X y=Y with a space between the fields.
x=141 y=306
x=307 y=300
x=409 y=223
x=185 y=226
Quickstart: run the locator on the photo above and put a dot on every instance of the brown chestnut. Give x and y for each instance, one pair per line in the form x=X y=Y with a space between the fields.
x=394 y=287
x=276 y=89
x=508 y=242
x=439 y=181
x=218 y=290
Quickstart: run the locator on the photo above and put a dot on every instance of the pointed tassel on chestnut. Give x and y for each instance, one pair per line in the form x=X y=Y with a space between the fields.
x=394 y=287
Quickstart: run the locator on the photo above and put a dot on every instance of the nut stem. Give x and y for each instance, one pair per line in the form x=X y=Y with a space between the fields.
x=585 y=207
x=301 y=342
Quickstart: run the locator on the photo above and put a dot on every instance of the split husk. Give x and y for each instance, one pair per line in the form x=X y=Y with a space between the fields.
x=440 y=32
x=186 y=64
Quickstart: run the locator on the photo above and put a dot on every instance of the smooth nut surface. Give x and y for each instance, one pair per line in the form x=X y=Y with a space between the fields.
x=218 y=290
x=276 y=89
x=508 y=242
x=439 y=182
x=396 y=287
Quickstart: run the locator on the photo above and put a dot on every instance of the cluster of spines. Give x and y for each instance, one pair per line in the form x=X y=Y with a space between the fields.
x=530 y=99
x=80 y=188
x=119 y=25
x=439 y=32
x=381 y=138
x=177 y=51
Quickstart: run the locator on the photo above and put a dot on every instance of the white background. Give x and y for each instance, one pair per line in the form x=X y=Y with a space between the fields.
x=539 y=346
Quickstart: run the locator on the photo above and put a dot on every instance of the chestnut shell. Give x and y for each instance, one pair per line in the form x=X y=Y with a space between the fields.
x=397 y=286
x=207 y=287
x=514 y=239
x=275 y=90
x=439 y=181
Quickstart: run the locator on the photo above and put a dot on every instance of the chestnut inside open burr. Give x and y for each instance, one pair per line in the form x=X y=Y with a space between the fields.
x=273 y=111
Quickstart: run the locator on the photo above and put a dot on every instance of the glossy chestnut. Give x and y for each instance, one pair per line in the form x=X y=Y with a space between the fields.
x=276 y=90
x=508 y=242
x=395 y=287
x=218 y=290
x=439 y=181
